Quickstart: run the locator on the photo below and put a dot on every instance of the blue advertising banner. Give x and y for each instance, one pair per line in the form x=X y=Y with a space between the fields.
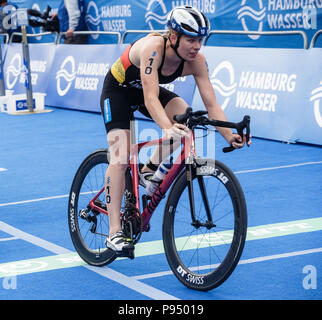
x=244 y=15
x=237 y=15
x=77 y=76
x=266 y=16
x=275 y=87
x=41 y=58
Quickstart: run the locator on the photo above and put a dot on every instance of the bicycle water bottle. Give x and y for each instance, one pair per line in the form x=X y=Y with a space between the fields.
x=158 y=176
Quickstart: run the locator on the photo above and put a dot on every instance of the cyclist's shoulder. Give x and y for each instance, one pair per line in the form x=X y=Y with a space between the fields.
x=151 y=40
x=147 y=44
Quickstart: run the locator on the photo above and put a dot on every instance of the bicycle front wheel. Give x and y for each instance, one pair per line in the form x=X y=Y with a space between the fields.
x=89 y=228
x=203 y=250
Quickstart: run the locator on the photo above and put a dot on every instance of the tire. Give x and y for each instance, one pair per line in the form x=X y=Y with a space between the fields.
x=202 y=258
x=88 y=180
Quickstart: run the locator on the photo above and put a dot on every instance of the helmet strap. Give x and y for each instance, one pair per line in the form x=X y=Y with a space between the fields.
x=175 y=47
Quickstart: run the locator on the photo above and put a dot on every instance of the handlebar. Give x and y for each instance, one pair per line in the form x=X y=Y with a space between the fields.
x=195 y=118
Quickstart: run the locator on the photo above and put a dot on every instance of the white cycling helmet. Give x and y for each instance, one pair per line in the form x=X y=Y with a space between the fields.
x=189 y=21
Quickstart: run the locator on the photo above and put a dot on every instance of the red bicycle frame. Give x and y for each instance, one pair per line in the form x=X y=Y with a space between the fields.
x=187 y=150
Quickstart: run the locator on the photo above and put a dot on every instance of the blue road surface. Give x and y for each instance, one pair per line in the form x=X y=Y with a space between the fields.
x=39 y=155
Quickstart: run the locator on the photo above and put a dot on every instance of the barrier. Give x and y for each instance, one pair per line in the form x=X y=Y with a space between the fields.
x=314 y=38
x=276 y=87
x=128 y=32
x=42 y=58
x=36 y=35
x=245 y=15
x=258 y=33
x=77 y=75
x=93 y=34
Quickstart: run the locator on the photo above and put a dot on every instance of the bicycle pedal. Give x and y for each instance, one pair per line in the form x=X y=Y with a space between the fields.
x=127 y=253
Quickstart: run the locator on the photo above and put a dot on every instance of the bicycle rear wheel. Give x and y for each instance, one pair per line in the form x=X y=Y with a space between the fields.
x=89 y=228
x=203 y=253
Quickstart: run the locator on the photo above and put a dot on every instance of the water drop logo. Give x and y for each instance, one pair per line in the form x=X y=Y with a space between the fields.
x=316 y=97
x=13 y=70
x=93 y=18
x=252 y=16
x=156 y=14
x=65 y=75
x=224 y=71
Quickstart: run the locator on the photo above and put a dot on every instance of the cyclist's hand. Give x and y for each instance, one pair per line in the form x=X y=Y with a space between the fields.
x=177 y=131
x=237 y=142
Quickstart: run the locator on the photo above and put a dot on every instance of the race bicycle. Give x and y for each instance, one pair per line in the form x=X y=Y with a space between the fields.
x=205 y=216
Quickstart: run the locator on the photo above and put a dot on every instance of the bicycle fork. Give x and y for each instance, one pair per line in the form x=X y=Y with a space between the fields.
x=195 y=222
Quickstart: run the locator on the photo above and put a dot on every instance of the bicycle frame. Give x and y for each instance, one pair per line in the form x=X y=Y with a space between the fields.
x=187 y=151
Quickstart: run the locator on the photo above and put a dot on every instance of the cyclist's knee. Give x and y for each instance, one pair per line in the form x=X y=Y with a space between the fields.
x=175 y=106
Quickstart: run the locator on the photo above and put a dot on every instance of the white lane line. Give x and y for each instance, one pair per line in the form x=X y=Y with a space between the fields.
x=33 y=239
x=8 y=239
x=244 y=261
x=129 y=282
x=3 y=169
x=280 y=167
x=33 y=200
x=135 y=285
x=44 y=199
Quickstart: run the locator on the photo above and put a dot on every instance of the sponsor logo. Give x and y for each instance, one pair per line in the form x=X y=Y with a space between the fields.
x=229 y=88
x=65 y=75
x=113 y=18
x=292 y=14
x=92 y=18
x=18 y=70
x=255 y=90
x=156 y=14
x=316 y=97
x=198 y=280
x=251 y=16
x=84 y=75
x=13 y=70
x=278 y=15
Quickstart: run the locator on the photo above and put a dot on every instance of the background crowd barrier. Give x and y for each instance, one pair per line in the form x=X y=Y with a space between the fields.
x=240 y=15
x=276 y=87
x=280 y=88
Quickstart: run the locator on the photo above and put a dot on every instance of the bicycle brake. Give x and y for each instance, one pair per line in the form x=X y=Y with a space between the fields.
x=244 y=124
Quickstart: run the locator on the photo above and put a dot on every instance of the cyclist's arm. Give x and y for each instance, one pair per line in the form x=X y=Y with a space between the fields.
x=200 y=72
x=150 y=60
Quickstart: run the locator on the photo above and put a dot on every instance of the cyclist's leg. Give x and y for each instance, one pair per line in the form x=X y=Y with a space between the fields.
x=173 y=107
x=115 y=106
x=119 y=142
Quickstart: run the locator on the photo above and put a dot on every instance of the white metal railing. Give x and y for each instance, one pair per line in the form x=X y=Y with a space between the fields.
x=6 y=37
x=108 y=33
x=140 y=31
x=315 y=36
x=33 y=35
x=261 y=33
x=121 y=37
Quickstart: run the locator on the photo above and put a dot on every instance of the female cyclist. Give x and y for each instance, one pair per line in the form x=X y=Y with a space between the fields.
x=133 y=83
